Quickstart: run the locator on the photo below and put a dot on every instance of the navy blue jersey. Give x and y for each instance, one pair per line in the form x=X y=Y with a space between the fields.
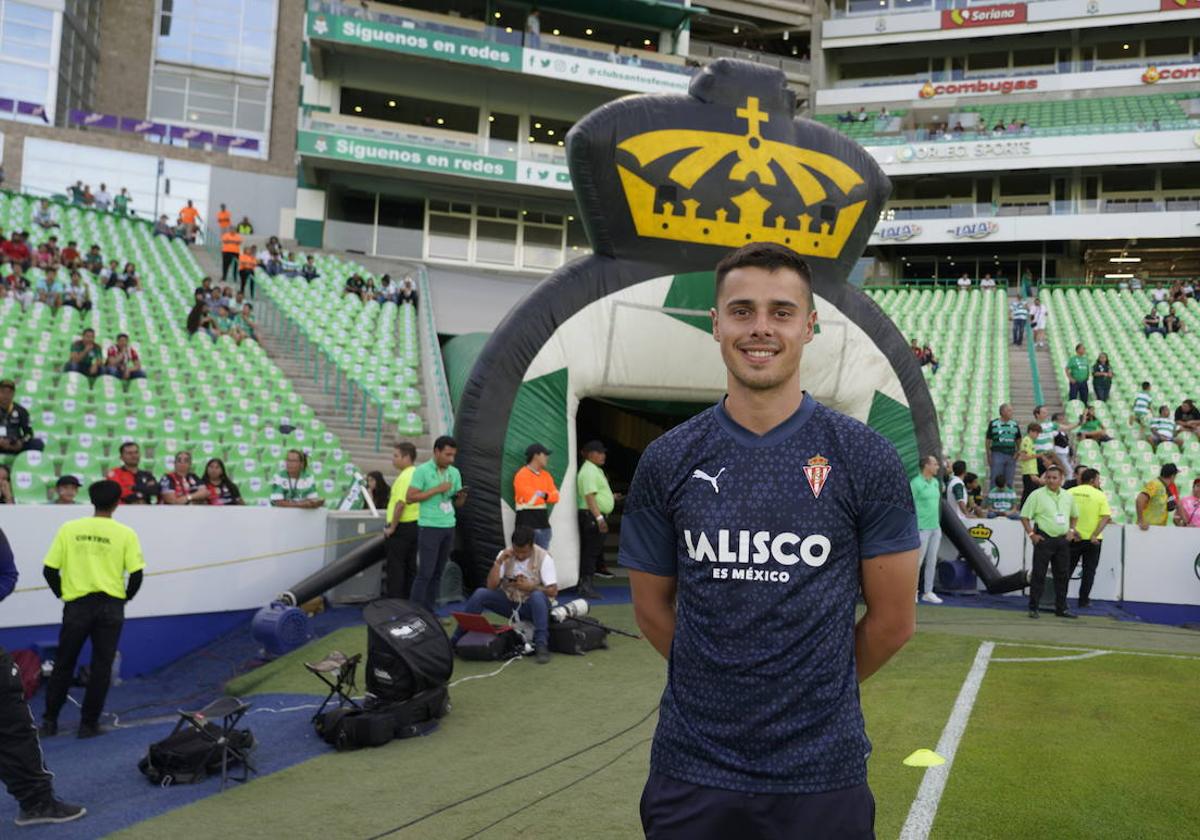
x=765 y=535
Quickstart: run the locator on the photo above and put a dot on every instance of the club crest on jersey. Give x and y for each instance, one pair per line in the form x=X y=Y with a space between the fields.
x=817 y=472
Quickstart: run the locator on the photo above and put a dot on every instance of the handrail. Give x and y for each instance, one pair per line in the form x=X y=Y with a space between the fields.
x=433 y=369
x=1038 y=397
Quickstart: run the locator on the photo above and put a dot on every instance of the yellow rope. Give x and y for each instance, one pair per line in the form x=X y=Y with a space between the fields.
x=235 y=561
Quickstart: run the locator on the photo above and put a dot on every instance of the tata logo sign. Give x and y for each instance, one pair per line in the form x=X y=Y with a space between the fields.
x=897 y=232
x=989 y=149
x=973 y=230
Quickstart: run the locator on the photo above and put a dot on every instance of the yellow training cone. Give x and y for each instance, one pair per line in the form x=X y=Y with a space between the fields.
x=924 y=758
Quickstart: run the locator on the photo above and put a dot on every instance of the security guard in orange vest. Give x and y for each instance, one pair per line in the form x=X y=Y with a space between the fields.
x=224 y=218
x=231 y=246
x=247 y=262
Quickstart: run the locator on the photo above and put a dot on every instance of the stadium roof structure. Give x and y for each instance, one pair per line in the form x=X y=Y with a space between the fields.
x=666 y=14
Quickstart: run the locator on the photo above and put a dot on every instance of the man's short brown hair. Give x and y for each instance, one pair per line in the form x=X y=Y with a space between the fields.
x=406 y=448
x=766 y=255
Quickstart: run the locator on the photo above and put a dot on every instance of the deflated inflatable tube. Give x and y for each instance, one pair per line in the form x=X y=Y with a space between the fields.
x=996 y=583
x=324 y=579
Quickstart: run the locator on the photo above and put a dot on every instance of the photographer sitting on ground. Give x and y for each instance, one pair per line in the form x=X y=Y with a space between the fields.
x=523 y=580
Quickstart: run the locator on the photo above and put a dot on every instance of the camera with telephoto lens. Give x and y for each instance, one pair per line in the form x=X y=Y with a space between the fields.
x=571 y=609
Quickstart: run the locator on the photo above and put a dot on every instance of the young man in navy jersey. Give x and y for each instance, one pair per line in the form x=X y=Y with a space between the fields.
x=749 y=531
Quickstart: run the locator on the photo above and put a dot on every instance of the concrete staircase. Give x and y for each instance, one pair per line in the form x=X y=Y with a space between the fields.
x=1020 y=378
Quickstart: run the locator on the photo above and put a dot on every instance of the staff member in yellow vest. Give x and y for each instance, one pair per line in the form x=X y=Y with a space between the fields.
x=401 y=532
x=231 y=247
x=596 y=501
x=1049 y=516
x=86 y=568
x=1094 y=515
x=522 y=579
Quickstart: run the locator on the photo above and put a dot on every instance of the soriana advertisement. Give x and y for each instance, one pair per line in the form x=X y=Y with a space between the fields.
x=1176 y=5
x=999 y=15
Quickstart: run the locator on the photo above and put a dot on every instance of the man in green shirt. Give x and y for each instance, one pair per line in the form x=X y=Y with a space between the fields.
x=927 y=500
x=400 y=535
x=595 y=500
x=86 y=567
x=1003 y=432
x=1094 y=515
x=1049 y=516
x=1141 y=406
x=1002 y=500
x=1078 y=371
x=437 y=487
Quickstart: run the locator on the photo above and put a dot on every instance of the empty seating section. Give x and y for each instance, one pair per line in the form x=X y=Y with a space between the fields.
x=216 y=399
x=1044 y=117
x=374 y=346
x=967 y=332
x=1110 y=321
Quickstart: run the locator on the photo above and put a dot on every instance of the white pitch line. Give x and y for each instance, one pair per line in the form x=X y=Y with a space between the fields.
x=1091 y=654
x=1100 y=650
x=924 y=808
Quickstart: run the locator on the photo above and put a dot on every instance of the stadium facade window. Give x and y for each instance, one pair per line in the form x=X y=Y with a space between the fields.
x=27 y=52
x=237 y=36
x=409 y=110
x=194 y=96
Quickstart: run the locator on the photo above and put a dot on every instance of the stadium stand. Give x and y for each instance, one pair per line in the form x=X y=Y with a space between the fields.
x=376 y=347
x=218 y=399
x=1110 y=321
x=968 y=333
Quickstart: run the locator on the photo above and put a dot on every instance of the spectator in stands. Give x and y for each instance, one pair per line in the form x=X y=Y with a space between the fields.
x=130 y=281
x=998 y=128
x=181 y=486
x=70 y=257
x=224 y=218
x=883 y=113
x=1102 y=377
x=122 y=360
x=847 y=117
x=247 y=263
x=1049 y=516
x=1039 y=320
x=138 y=487
x=75 y=191
x=522 y=580
x=17 y=287
x=103 y=198
x=223 y=322
x=1189 y=289
x=408 y=290
x=244 y=322
x=295 y=486
x=1187 y=512
x=122 y=202
x=974 y=495
x=533 y=30
x=220 y=487
x=65 y=490
x=16 y=432
x=927 y=495
x=50 y=289
x=163 y=228
x=1159 y=293
x=199 y=319
x=927 y=358
x=1158 y=498
x=1019 y=311
x=355 y=286
x=289 y=265
x=189 y=219
x=76 y=295
x=437 y=486
x=861 y=116
x=6 y=493
x=47 y=253
x=1176 y=294
x=956 y=492
x=44 y=216
x=1091 y=428
x=1062 y=441
x=110 y=275
x=1187 y=417
x=244 y=227
x=1000 y=445
x=987 y=282
x=309 y=270
x=16 y=250
x=86 y=356
x=1140 y=413
x=94 y=261
x=1171 y=323
x=1002 y=500
x=1094 y=516
x=269 y=263
x=1026 y=282
x=89 y=199
x=1162 y=428
x=964 y=282
x=1078 y=371
x=378 y=489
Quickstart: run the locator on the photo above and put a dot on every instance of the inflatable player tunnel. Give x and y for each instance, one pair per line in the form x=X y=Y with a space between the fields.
x=667 y=185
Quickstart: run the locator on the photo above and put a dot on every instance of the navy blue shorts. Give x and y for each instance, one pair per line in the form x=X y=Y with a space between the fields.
x=675 y=810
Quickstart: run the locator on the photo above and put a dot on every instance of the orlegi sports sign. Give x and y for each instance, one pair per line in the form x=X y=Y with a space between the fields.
x=986 y=149
x=999 y=15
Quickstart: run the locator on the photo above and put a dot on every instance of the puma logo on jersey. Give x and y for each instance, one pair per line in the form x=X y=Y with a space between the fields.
x=711 y=479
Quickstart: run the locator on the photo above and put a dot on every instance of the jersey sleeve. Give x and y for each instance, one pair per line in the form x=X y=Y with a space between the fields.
x=887 y=519
x=648 y=540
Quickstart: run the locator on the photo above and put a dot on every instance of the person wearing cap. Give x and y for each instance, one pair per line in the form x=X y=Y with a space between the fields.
x=1049 y=517
x=595 y=499
x=1157 y=498
x=86 y=567
x=16 y=433
x=534 y=492
x=65 y=490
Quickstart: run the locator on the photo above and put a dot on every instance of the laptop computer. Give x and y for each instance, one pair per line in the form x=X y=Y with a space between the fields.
x=473 y=623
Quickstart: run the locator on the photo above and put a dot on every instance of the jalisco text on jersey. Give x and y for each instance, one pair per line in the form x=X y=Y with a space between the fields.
x=758 y=547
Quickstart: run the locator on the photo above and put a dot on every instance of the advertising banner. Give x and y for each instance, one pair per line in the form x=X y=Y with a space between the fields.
x=413 y=41
x=1177 y=5
x=999 y=15
x=608 y=74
